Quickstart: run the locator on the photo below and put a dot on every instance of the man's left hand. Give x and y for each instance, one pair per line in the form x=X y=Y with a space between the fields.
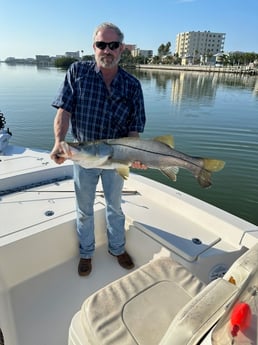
x=139 y=165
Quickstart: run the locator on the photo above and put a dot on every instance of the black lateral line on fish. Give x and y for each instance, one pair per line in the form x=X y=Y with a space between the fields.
x=161 y=154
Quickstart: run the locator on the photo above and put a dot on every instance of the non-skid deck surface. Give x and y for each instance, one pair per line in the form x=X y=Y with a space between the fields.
x=44 y=305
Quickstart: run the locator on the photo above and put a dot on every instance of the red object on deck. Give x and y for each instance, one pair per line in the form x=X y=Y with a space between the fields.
x=240 y=318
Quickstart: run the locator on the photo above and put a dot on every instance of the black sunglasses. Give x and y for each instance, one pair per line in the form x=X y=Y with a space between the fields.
x=111 y=45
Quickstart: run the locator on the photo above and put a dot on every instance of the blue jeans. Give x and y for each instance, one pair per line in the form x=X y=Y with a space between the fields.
x=85 y=181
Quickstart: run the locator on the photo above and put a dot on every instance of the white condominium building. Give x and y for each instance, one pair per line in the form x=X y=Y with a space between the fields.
x=196 y=43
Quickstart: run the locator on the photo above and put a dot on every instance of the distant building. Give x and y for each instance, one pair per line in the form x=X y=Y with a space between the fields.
x=145 y=53
x=26 y=61
x=44 y=60
x=75 y=55
x=10 y=59
x=194 y=44
x=130 y=47
x=30 y=61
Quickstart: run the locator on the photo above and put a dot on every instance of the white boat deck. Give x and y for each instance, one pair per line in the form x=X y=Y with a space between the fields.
x=46 y=303
x=40 y=289
x=21 y=167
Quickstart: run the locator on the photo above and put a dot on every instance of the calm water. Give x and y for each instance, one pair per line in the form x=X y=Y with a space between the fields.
x=208 y=114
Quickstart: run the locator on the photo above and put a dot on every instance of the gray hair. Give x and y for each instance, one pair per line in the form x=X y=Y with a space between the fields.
x=109 y=26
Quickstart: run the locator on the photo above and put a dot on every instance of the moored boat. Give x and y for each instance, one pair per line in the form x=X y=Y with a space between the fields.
x=193 y=264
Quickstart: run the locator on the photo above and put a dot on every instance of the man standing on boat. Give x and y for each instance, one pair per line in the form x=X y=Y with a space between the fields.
x=100 y=100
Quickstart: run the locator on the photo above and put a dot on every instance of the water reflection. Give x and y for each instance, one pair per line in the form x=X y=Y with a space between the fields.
x=209 y=114
x=164 y=79
x=214 y=115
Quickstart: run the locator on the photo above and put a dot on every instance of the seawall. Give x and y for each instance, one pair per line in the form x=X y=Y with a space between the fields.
x=245 y=70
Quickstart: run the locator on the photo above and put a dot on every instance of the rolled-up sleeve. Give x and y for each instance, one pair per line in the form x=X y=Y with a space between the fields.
x=65 y=96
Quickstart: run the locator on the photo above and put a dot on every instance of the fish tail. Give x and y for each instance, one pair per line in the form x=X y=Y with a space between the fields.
x=209 y=166
x=204 y=178
x=213 y=164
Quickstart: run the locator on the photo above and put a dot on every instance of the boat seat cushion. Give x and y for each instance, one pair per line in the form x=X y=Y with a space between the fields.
x=200 y=314
x=151 y=295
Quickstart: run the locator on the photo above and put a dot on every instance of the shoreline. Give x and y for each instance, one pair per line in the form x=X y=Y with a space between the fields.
x=242 y=70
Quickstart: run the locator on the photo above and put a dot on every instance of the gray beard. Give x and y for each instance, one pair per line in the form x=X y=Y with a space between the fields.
x=108 y=64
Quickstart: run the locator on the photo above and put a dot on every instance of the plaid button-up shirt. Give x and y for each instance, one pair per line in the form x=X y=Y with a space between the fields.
x=99 y=113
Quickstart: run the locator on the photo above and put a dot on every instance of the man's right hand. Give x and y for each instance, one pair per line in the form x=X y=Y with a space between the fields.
x=56 y=153
x=61 y=125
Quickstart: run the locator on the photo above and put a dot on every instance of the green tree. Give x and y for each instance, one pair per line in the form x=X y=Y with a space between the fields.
x=127 y=58
x=88 y=58
x=164 y=49
x=156 y=60
x=176 y=59
x=240 y=58
x=140 y=59
x=64 y=62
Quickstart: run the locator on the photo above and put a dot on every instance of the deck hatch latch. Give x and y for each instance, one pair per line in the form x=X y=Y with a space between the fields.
x=196 y=241
x=48 y=213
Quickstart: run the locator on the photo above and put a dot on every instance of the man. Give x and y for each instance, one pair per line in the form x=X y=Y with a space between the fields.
x=101 y=101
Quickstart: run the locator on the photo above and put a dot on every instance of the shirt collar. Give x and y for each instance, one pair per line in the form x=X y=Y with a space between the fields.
x=96 y=68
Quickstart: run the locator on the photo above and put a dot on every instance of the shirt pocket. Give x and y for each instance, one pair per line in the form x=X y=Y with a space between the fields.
x=121 y=114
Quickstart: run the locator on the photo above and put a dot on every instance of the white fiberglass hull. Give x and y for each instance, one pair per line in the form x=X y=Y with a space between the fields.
x=40 y=290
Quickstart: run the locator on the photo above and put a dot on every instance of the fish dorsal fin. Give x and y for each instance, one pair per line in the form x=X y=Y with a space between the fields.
x=123 y=171
x=166 y=139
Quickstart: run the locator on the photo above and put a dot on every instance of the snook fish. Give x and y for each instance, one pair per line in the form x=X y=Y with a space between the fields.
x=157 y=153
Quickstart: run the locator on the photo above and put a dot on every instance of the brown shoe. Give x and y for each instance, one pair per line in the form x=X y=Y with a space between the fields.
x=124 y=260
x=84 y=267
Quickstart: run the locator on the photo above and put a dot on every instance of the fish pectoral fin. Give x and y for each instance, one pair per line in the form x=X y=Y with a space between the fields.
x=170 y=172
x=123 y=171
x=166 y=139
x=213 y=164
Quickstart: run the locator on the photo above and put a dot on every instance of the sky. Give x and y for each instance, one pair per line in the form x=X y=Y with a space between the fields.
x=53 y=27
